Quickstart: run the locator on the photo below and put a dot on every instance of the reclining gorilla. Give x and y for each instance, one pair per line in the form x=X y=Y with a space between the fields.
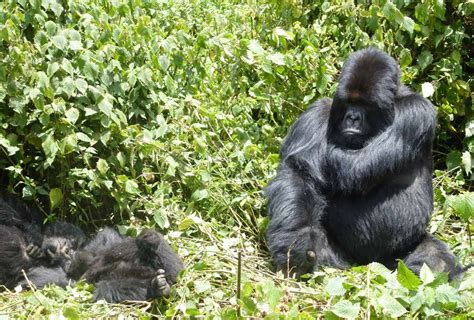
x=121 y=268
x=41 y=254
x=125 y=268
x=354 y=183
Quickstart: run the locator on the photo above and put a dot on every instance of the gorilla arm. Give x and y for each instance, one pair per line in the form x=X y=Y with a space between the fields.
x=406 y=142
x=295 y=235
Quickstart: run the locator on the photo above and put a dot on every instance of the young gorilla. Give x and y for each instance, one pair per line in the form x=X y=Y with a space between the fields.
x=354 y=183
x=42 y=255
x=60 y=241
x=125 y=268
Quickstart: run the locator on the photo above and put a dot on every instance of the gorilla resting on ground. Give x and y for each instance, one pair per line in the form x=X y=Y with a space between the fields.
x=42 y=252
x=354 y=183
x=43 y=264
x=125 y=268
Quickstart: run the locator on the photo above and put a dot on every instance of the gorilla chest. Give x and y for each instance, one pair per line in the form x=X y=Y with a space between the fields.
x=372 y=228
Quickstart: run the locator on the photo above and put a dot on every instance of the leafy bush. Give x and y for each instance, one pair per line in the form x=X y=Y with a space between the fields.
x=171 y=113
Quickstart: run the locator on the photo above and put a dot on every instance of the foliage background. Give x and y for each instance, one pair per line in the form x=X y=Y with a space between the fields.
x=170 y=114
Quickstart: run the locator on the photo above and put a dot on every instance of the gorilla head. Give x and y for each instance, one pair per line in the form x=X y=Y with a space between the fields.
x=363 y=105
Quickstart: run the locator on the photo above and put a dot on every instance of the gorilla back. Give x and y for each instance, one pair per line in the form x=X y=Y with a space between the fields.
x=354 y=181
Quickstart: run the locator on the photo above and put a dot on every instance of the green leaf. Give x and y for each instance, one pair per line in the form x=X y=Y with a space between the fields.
x=50 y=148
x=75 y=45
x=463 y=205
x=249 y=305
x=161 y=219
x=72 y=115
x=185 y=224
x=50 y=27
x=81 y=85
x=102 y=166
x=426 y=275
x=406 y=277
x=425 y=59
x=277 y=58
x=199 y=195
x=55 y=197
x=453 y=159
x=131 y=187
x=346 y=309
x=405 y=58
x=255 y=47
x=164 y=62
x=408 y=24
x=201 y=286
x=391 y=306
x=106 y=106
x=59 y=41
x=335 y=286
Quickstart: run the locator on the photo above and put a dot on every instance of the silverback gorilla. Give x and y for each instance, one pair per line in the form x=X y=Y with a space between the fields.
x=354 y=183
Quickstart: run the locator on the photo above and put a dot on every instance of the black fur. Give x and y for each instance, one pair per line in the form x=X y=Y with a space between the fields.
x=354 y=182
x=125 y=268
x=42 y=255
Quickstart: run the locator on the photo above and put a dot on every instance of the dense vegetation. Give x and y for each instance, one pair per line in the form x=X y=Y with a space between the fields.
x=169 y=114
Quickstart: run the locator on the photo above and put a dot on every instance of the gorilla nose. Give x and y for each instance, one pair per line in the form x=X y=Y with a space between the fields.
x=353 y=117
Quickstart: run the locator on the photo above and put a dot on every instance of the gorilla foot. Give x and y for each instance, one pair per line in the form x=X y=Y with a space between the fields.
x=159 y=283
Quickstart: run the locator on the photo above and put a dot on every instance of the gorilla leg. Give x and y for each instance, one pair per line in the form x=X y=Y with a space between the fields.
x=118 y=290
x=42 y=276
x=296 y=239
x=436 y=255
x=154 y=251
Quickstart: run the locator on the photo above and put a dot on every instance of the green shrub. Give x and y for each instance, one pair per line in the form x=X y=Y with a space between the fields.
x=171 y=113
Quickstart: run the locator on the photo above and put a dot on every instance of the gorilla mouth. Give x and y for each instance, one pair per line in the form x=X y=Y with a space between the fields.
x=351 y=131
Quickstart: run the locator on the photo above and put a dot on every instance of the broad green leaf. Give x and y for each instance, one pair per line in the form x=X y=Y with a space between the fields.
x=59 y=41
x=426 y=275
x=83 y=137
x=75 y=45
x=164 y=62
x=199 y=195
x=249 y=305
x=425 y=59
x=346 y=309
x=106 y=106
x=55 y=197
x=161 y=219
x=255 y=47
x=131 y=187
x=102 y=166
x=391 y=306
x=185 y=224
x=408 y=24
x=50 y=27
x=52 y=68
x=201 y=286
x=72 y=115
x=453 y=159
x=335 y=287
x=463 y=205
x=406 y=277
x=81 y=85
x=283 y=33
x=277 y=58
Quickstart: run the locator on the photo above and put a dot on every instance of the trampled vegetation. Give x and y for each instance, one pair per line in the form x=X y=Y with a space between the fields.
x=170 y=114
